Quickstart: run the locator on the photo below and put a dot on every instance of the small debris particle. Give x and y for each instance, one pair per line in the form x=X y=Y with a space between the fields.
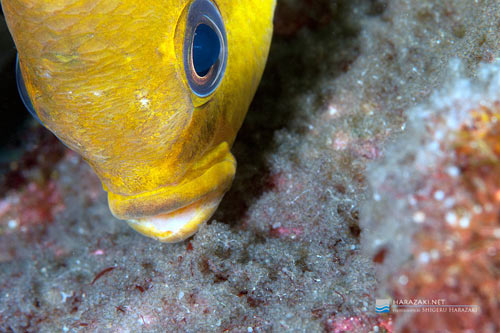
x=453 y=171
x=439 y=195
x=451 y=218
x=419 y=217
x=65 y=296
x=13 y=224
x=464 y=222
x=101 y=273
x=380 y=256
x=424 y=257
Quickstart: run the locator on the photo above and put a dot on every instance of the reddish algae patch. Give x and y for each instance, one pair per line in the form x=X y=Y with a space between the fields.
x=457 y=253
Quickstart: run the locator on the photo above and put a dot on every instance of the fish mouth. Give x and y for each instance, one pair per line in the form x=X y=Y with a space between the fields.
x=173 y=213
x=178 y=225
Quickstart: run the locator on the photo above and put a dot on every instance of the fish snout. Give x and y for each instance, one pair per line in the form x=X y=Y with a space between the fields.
x=173 y=213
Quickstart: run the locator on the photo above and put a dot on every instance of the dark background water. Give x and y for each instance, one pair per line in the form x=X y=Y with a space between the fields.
x=14 y=117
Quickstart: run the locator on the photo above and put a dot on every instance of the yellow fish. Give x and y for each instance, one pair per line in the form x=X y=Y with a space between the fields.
x=150 y=93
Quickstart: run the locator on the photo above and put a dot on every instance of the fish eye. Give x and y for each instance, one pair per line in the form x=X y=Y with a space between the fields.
x=23 y=93
x=205 y=48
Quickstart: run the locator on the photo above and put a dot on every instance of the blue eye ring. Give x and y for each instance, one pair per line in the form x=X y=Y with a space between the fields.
x=204 y=17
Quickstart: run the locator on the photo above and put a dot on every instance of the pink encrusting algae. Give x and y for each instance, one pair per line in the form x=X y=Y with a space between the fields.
x=448 y=193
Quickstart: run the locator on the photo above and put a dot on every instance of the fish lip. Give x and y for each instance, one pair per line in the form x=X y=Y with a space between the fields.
x=180 y=224
x=214 y=180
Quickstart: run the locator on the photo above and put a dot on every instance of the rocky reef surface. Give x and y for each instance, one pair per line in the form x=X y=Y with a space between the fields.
x=367 y=168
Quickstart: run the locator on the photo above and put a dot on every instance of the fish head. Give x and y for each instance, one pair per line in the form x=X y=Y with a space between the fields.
x=151 y=94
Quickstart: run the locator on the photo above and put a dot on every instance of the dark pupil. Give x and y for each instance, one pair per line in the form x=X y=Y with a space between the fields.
x=206 y=49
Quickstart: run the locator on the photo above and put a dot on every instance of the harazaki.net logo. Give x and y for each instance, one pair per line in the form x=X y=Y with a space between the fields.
x=387 y=305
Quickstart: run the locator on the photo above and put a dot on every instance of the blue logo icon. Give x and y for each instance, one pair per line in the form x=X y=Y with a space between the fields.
x=382 y=305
